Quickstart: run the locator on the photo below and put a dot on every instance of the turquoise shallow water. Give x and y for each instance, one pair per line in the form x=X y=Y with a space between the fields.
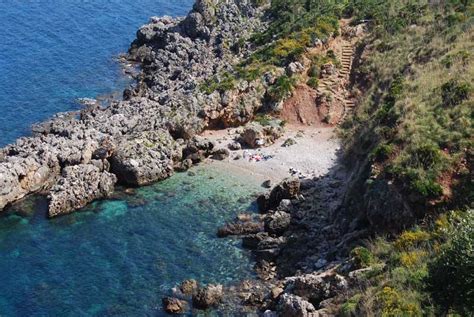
x=119 y=257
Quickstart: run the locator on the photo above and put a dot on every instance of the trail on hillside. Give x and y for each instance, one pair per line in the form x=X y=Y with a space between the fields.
x=331 y=101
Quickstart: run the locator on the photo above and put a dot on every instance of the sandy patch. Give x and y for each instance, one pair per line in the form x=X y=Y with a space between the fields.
x=314 y=153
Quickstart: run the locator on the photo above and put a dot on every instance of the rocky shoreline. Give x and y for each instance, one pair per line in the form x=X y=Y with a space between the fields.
x=75 y=158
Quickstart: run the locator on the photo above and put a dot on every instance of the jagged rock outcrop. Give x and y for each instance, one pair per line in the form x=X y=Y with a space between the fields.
x=141 y=138
x=208 y=296
x=78 y=186
x=173 y=305
x=294 y=306
x=239 y=228
x=317 y=287
x=287 y=189
x=144 y=158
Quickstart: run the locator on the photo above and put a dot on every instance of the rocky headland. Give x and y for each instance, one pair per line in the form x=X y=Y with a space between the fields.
x=75 y=158
x=268 y=106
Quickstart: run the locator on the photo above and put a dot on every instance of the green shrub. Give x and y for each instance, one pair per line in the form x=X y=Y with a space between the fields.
x=313 y=82
x=349 y=308
x=410 y=239
x=221 y=83
x=313 y=71
x=454 y=93
x=282 y=88
x=395 y=304
x=426 y=188
x=451 y=275
x=362 y=257
x=382 y=152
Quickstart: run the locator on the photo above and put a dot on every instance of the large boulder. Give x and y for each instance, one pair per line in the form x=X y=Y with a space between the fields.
x=173 y=305
x=256 y=135
x=78 y=186
x=220 y=154
x=277 y=223
x=294 y=306
x=288 y=189
x=21 y=176
x=197 y=149
x=317 y=287
x=144 y=158
x=189 y=287
x=208 y=296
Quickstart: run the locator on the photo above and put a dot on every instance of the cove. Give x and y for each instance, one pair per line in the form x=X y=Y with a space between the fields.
x=121 y=256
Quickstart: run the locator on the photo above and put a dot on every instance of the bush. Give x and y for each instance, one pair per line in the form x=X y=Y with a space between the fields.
x=451 y=275
x=222 y=83
x=394 y=304
x=410 y=239
x=313 y=71
x=313 y=83
x=454 y=93
x=362 y=257
x=426 y=188
x=282 y=88
x=382 y=152
x=349 y=308
x=286 y=50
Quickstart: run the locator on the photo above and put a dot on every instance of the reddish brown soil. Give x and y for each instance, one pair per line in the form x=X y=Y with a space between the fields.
x=301 y=108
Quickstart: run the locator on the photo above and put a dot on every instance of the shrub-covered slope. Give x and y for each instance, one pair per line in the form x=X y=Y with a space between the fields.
x=409 y=145
x=411 y=138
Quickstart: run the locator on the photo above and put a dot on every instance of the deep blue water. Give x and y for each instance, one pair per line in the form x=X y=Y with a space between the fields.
x=117 y=257
x=55 y=51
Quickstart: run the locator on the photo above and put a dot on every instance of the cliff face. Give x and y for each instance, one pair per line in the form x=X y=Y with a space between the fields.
x=141 y=139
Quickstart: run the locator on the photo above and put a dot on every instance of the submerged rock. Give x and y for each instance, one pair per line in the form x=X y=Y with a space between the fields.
x=189 y=287
x=239 y=228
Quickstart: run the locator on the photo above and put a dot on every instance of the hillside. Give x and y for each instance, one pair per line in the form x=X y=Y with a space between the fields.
x=407 y=145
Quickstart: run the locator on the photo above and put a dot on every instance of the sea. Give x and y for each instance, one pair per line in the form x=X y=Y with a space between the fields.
x=116 y=257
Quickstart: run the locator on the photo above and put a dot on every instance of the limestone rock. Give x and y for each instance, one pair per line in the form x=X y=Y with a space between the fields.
x=208 y=296
x=239 y=228
x=294 y=306
x=144 y=158
x=277 y=223
x=189 y=287
x=220 y=154
x=78 y=186
x=317 y=287
x=256 y=135
x=173 y=305
x=287 y=189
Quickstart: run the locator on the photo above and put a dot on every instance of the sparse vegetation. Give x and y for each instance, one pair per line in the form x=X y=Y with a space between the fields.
x=416 y=117
x=414 y=123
